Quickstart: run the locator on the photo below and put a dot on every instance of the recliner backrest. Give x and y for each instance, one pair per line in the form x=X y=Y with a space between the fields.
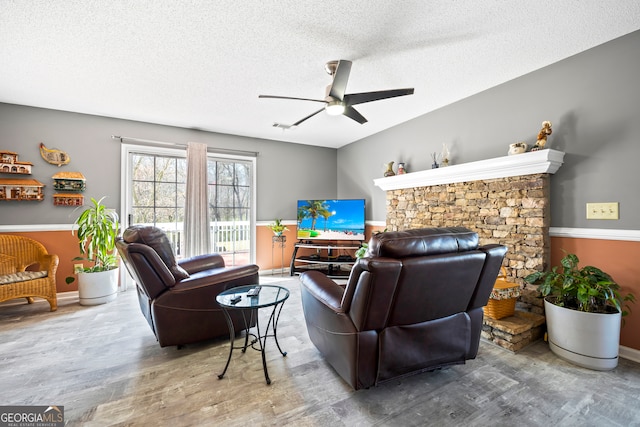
x=435 y=286
x=414 y=276
x=157 y=239
x=422 y=242
x=146 y=267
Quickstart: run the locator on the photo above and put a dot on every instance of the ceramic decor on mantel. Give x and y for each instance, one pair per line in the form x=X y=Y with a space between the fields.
x=542 y=161
x=389 y=169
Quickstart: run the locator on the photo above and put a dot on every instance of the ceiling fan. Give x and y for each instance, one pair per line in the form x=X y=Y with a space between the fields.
x=336 y=100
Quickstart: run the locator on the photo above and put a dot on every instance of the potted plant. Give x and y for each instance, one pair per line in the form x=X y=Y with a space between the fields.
x=97 y=229
x=362 y=250
x=584 y=309
x=277 y=227
x=364 y=247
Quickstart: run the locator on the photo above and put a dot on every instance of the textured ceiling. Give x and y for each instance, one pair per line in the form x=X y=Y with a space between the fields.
x=202 y=64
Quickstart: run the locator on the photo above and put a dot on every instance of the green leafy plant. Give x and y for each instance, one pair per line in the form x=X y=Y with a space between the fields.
x=362 y=250
x=97 y=231
x=278 y=227
x=586 y=289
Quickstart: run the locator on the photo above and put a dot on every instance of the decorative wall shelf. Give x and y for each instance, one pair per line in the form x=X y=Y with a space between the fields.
x=21 y=189
x=68 y=199
x=9 y=163
x=543 y=161
x=69 y=181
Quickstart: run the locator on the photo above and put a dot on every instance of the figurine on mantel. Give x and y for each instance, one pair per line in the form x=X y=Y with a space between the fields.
x=445 y=155
x=401 y=169
x=434 y=157
x=389 y=169
x=517 y=148
x=542 y=136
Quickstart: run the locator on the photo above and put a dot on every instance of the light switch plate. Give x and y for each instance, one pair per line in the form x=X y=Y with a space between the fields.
x=602 y=210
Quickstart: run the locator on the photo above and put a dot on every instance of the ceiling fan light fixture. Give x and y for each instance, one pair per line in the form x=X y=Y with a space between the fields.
x=336 y=101
x=334 y=108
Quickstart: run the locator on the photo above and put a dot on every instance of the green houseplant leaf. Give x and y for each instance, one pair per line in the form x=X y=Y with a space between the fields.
x=362 y=250
x=586 y=289
x=97 y=230
x=277 y=226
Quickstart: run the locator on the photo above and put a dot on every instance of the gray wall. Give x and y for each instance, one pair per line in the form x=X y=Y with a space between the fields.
x=593 y=101
x=284 y=172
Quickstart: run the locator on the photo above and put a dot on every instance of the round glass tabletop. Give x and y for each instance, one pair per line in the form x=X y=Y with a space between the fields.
x=269 y=295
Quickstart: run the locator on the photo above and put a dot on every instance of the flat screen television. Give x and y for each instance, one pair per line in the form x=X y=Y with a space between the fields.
x=337 y=219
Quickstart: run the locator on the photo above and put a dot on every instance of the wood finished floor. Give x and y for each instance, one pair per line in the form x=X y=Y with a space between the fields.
x=104 y=365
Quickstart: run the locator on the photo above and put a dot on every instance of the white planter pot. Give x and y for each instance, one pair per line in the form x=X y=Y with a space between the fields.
x=590 y=340
x=98 y=288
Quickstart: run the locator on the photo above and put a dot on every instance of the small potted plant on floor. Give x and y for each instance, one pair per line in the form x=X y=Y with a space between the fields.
x=583 y=308
x=97 y=229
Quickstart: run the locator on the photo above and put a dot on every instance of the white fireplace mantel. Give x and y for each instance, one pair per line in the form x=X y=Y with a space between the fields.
x=543 y=161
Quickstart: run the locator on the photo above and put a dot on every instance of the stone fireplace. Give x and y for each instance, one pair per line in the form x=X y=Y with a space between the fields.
x=505 y=200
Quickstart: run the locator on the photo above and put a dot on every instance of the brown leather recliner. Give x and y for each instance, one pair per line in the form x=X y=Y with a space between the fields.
x=178 y=299
x=413 y=304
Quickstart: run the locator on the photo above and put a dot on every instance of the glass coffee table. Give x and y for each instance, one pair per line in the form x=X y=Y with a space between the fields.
x=237 y=299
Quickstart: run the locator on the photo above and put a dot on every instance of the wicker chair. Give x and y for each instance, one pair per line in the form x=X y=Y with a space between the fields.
x=17 y=280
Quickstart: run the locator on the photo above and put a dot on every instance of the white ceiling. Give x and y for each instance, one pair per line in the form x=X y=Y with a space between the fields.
x=202 y=64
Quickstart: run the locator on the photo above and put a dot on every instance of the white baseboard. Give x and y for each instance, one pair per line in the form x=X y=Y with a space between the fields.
x=579 y=233
x=629 y=353
x=34 y=228
x=595 y=233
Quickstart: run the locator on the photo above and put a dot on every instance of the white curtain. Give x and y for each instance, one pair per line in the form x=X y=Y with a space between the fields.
x=196 y=215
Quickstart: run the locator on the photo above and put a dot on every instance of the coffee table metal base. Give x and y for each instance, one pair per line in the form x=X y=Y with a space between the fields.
x=258 y=339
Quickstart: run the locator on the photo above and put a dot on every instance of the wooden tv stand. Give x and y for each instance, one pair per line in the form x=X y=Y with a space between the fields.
x=325 y=259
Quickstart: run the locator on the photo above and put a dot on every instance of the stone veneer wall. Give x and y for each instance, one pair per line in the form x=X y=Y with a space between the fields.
x=513 y=211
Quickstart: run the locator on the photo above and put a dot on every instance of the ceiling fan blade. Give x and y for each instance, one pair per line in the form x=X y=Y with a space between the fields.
x=354 y=115
x=360 y=98
x=340 y=79
x=308 y=117
x=289 y=97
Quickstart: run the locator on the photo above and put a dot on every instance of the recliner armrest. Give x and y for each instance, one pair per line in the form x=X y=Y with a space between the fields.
x=201 y=262
x=495 y=255
x=323 y=289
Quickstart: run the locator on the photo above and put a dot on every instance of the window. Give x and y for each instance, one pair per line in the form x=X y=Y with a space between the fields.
x=158 y=193
x=155 y=189
x=230 y=198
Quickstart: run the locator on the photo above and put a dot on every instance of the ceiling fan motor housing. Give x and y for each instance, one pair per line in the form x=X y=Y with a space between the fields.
x=338 y=102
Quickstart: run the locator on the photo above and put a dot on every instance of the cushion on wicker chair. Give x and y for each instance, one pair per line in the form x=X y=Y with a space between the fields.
x=23 y=276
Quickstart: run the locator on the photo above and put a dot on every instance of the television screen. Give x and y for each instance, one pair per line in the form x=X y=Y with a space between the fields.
x=341 y=219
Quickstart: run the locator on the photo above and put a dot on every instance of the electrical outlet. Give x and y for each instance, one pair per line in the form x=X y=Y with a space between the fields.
x=602 y=210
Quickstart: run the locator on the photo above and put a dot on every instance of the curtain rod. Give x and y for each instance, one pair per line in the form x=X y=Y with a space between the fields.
x=175 y=144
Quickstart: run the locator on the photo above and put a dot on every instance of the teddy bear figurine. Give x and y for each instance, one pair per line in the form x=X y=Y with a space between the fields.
x=542 y=136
